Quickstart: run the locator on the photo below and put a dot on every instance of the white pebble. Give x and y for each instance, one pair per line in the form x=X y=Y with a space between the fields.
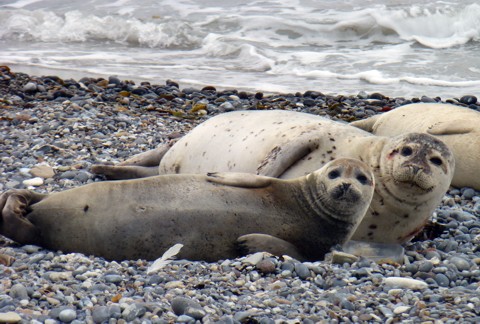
x=34 y=182
x=253 y=259
x=10 y=317
x=401 y=309
x=399 y=282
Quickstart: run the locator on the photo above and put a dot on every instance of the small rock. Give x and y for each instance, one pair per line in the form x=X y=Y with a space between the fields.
x=400 y=282
x=468 y=100
x=10 y=317
x=42 y=171
x=266 y=266
x=253 y=259
x=185 y=319
x=182 y=305
x=100 y=314
x=400 y=309
x=34 y=182
x=19 y=291
x=30 y=87
x=302 y=271
x=31 y=248
x=339 y=257
x=67 y=315
x=461 y=263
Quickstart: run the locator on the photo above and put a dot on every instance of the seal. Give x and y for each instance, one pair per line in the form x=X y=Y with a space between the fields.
x=412 y=171
x=141 y=218
x=458 y=127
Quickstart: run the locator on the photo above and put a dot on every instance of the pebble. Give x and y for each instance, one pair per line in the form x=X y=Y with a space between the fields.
x=34 y=182
x=67 y=315
x=63 y=137
x=42 y=171
x=10 y=317
x=408 y=283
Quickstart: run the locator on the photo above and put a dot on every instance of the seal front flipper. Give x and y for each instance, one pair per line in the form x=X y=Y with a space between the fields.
x=252 y=243
x=453 y=127
x=237 y=179
x=367 y=124
x=14 y=205
x=282 y=157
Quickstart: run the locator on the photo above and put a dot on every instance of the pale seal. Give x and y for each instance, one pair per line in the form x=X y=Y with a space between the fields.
x=412 y=171
x=456 y=126
x=141 y=218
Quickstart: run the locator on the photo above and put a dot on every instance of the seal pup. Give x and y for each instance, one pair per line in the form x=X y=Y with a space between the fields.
x=458 y=127
x=412 y=171
x=140 y=218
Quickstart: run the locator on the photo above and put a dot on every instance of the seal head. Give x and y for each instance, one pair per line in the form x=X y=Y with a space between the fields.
x=341 y=191
x=417 y=167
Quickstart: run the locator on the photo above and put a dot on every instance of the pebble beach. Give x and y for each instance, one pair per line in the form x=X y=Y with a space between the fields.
x=52 y=130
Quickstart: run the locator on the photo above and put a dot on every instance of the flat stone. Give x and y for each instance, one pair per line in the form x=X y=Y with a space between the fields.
x=400 y=282
x=42 y=171
x=34 y=182
x=10 y=317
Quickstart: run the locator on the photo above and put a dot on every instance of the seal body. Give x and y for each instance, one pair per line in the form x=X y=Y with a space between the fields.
x=142 y=218
x=456 y=126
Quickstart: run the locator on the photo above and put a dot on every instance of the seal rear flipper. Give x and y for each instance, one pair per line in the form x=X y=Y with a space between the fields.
x=367 y=124
x=113 y=172
x=237 y=179
x=252 y=243
x=453 y=127
x=149 y=158
x=14 y=206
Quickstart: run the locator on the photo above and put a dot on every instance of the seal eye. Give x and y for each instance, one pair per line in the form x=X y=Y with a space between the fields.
x=437 y=161
x=406 y=151
x=362 y=179
x=333 y=174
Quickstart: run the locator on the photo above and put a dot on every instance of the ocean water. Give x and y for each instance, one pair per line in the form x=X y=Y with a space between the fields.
x=399 y=48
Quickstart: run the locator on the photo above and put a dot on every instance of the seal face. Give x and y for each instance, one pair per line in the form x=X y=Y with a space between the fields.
x=413 y=174
x=342 y=188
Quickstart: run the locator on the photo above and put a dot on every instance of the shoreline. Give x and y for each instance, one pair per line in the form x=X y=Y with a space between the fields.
x=68 y=125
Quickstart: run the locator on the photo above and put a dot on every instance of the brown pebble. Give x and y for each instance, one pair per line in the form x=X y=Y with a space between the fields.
x=42 y=171
x=266 y=266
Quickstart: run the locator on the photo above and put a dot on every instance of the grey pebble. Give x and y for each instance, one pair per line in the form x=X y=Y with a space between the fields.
x=100 y=314
x=133 y=311
x=19 y=291
x=181 y=304
x=67 y=315
x=185 y=319
x=442 y=280
x=113 y=278
x=302 y=271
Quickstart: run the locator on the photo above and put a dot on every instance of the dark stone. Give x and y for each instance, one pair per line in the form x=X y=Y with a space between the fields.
x=377 y=96
x=259 y=95
x=114 y=80
x=468 y=100
x=181 y=304
x=171 y=83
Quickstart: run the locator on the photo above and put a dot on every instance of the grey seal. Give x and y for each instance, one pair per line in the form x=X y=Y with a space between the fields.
x=211 y=215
